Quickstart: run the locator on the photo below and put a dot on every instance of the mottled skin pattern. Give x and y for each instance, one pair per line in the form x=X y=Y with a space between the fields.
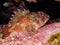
x=25 y=22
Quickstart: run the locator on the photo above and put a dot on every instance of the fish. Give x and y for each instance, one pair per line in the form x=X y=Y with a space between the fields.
x=25 y=22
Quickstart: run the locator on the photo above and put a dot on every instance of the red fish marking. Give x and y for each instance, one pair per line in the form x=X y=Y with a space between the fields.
x=22 y=21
